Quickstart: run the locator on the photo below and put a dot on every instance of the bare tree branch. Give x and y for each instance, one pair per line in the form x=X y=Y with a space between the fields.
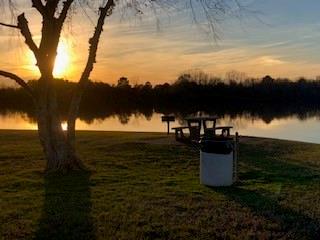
x=37 y=4
x=94 y=42
x=51 y=7
x=25 y=31
x=19 y=81
x=66 y=6
x=8 y=25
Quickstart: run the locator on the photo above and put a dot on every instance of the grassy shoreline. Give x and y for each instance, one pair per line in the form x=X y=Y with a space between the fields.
x=144 y=186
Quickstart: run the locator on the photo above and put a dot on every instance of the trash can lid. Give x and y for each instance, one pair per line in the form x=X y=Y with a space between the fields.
x=217 y=145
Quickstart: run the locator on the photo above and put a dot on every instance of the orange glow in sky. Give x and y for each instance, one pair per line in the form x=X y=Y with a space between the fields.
x=287 y=46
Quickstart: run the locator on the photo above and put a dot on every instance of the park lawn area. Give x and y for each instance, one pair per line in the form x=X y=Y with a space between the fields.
x=145 y=186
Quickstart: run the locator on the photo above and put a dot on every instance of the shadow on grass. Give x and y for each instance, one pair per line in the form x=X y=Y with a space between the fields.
x=293 y=224
x=263 y=170
x=67 y=207
x=260 y=166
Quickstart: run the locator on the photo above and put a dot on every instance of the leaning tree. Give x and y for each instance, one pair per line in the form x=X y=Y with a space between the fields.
x=59 y=145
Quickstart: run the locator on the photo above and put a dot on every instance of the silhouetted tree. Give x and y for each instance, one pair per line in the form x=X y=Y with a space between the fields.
x=123 y=82
x=58 y=146
x=148 y=85
x=236 y=76
x=267 y=80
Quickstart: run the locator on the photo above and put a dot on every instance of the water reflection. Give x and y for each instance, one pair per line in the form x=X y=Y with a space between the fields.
x=16 y=120
x=294 y=126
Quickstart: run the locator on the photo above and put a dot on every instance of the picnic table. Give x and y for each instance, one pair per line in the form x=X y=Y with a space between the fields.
x=199 y=121
x=194 y=125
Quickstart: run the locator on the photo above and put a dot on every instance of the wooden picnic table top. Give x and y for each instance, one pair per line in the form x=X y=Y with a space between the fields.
x=199 y=118
x=182 y=127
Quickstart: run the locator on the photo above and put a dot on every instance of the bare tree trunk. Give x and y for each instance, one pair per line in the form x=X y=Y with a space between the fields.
x=73 y=113
x=60 y=154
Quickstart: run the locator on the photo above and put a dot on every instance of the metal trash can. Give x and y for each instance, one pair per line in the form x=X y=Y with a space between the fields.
x=217 y=161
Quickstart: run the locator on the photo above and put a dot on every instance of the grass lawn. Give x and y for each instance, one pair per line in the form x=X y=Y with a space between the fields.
x=143 y=186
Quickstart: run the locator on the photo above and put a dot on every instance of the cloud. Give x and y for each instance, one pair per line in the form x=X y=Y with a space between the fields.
x=269 y=61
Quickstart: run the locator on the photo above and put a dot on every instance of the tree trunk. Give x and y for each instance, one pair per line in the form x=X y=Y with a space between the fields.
x=73 y=113
x=59 y=153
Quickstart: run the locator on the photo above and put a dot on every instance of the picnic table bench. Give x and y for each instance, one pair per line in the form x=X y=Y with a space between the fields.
x=194 y=133
x=225 y=130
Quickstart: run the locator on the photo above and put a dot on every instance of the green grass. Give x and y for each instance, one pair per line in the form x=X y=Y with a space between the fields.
x=141 y=188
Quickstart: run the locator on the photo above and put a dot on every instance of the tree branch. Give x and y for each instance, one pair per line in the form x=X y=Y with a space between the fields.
x=93 y=42
x=25 y=31
x=37 y=4
x=64 y=12
x=9 y=25
x=51 y=7
x=19 y=81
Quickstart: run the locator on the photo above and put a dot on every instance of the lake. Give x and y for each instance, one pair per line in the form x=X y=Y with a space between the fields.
x=292 y=127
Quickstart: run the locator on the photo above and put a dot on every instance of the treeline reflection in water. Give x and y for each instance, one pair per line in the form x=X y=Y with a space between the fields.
x=263 y=113
x=253 y=108
x=302 y=123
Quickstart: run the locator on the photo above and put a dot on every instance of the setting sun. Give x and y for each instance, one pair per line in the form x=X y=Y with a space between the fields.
x=62 y=63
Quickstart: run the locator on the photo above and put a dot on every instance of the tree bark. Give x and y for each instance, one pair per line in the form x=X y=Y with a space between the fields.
x=60 y=154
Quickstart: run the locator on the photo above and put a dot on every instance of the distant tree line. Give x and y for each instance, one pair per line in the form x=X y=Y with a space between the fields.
x=192 y=91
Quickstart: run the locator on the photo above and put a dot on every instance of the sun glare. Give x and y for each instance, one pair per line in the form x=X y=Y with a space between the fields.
x=64 y=126
x=62 y=63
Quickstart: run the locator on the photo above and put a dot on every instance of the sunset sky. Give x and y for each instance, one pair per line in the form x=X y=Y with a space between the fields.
x=281 y=39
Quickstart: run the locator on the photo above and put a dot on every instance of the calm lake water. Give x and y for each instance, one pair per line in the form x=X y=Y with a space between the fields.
x=292 y=128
